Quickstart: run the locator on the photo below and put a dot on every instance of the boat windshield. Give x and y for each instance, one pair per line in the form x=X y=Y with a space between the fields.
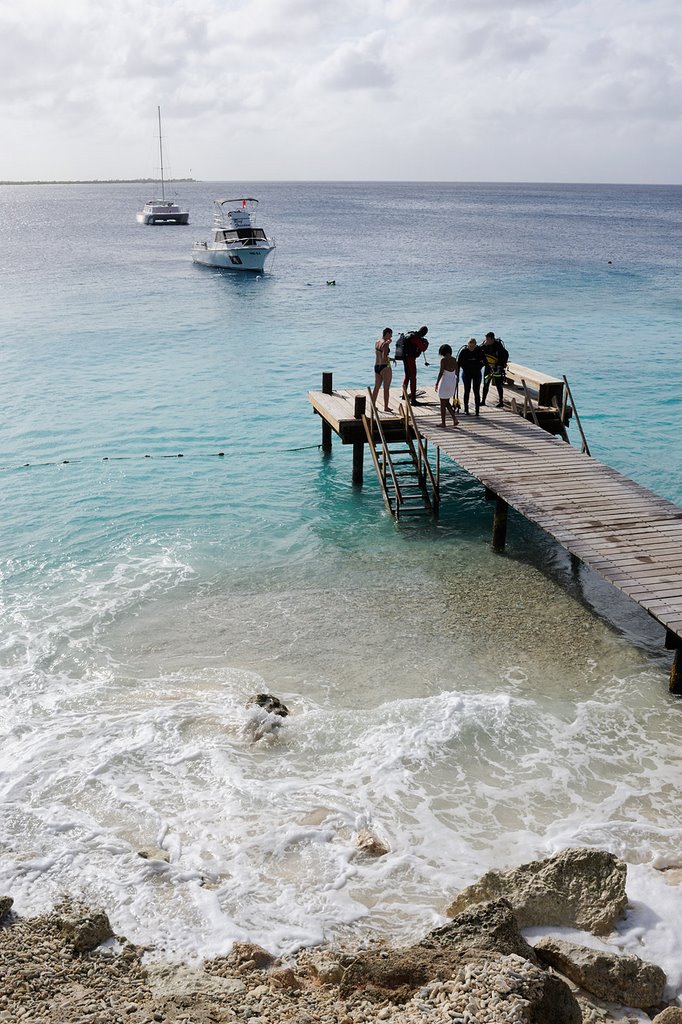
x=244 y=235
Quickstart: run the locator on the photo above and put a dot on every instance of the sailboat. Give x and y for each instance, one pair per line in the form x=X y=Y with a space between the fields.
x=162 y=211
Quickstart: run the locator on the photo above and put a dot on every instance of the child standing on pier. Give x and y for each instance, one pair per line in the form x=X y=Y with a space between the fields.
x=446 y=383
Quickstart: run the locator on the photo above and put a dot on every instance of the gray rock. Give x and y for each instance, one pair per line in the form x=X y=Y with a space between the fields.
x=6 y=903
x=577 y=888
x=614 y=977
x=89 y=931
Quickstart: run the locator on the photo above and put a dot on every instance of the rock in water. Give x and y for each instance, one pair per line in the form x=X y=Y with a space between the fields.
x=271 y=704
x=5 y=906
x=579 y=888
x=154 y=853
x=371 y=845
x=616 y=978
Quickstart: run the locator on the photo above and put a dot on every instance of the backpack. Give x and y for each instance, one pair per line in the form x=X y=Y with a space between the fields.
x=399 y=350
x=410 y=344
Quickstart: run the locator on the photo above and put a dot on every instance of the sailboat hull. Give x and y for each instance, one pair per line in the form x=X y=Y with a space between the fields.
x=163 y=217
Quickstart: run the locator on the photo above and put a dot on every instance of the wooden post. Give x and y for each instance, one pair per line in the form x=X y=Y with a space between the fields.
x=676 y=673
x=674 y=643
x=489 y=495
x=500 y=524
x=358 y=446
x=327 y=389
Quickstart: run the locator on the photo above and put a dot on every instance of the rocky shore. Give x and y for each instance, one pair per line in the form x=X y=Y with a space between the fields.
x=67 y=967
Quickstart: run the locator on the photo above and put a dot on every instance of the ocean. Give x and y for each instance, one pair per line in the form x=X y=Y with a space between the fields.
x=174 y=541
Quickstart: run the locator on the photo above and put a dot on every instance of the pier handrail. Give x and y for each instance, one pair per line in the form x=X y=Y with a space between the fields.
x=410 y=421
x=369 y=424
x=585 y=447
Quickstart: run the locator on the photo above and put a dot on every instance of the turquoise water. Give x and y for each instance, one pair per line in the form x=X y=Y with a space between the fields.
x=472 y=710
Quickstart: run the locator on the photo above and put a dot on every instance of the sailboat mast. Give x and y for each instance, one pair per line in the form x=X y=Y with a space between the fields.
x=163 y=194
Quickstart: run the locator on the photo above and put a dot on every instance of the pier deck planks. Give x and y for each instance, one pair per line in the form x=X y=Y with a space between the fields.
x=625 y=533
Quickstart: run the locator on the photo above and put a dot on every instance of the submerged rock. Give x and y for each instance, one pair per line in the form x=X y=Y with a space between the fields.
x=154 y=853
x=273 y=705
x=371 y=845
x=266 y=720
x=613 y=977
x=578 y=888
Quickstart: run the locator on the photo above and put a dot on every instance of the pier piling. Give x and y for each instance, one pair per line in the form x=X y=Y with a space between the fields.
x=500 y=524
x=358 y=446
x=674 y=643
x=327 y=389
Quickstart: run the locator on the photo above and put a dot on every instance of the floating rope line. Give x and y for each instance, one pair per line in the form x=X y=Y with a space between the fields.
x=80 y=460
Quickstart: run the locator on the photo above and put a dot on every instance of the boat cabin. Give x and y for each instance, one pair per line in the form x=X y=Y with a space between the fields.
x=247 y=236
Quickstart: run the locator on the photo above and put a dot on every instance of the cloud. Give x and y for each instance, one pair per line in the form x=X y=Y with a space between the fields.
x=357 y=65
x=336 y=90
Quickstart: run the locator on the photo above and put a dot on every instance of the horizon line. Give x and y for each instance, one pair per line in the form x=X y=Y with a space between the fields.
x=336 y=181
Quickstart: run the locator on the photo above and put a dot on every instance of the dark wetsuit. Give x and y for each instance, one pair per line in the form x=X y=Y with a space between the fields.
x=497 y=357
x=411 y=351
x=471 y=363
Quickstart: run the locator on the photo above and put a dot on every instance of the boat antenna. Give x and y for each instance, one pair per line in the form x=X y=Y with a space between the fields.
x=163 y=195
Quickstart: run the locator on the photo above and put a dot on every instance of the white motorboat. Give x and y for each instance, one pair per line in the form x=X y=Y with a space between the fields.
x=237 y=243
x=162 y=211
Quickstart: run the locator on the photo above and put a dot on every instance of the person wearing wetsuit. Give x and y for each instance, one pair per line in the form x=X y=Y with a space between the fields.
x=415 y=343
x=496 y=357
x=471 y=361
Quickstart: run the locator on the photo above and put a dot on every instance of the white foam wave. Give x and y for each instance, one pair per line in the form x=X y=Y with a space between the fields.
x=57 y=621
x=262 y=837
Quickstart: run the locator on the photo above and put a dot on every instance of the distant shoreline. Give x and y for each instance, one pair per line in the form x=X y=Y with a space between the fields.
x=99 y=181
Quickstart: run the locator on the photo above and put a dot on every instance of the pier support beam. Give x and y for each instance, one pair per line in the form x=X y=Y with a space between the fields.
x=674 y=643
x=327 y=389
x=358 y=446
x=500 y=524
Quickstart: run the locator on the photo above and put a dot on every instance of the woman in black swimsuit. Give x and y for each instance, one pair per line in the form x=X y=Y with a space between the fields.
x=382 y=366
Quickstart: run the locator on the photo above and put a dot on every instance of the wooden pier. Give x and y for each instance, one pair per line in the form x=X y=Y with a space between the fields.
x=625 y=533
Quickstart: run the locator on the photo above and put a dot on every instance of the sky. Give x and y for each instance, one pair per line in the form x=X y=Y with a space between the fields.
x=415 y=90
